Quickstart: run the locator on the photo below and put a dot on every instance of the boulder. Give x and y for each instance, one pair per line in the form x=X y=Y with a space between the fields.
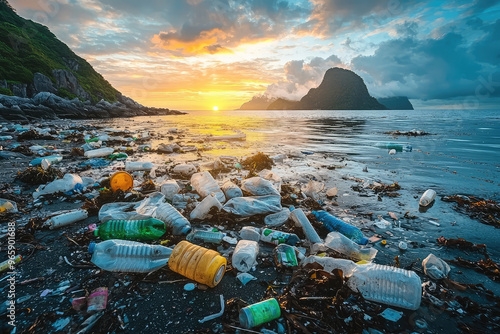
x=42 y=83
x=19 y=89
x=67 y=80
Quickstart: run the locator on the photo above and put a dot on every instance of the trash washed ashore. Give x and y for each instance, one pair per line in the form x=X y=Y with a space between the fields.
x=120 y=231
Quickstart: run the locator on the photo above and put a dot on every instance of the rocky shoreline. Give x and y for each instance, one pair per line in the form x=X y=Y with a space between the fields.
x=45 y=105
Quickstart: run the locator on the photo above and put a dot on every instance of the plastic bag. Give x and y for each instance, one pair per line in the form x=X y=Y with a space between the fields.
x=435 y=268
x=258 y=186
x=312 y=188
x=249 y=206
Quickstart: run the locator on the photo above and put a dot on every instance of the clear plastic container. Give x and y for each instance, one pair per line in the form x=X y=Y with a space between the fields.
x=205 y=184
x=333 y=224
x=173 y=218
x=129 y=256
x=301 y=220
x=344 y=245
x=53 y=159
x=147 y=229
x=387 y=285
x=100 y=152
x=206 y=236
x=169 y=189
x=231 y=190
x=67 y=218
x=245 y=255
x=250 y=233
x=67 y=183
x=138 y=166
x=203 y=208
x=428 y=197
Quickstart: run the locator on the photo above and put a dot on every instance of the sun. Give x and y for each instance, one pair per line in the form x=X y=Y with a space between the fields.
x=215 y=108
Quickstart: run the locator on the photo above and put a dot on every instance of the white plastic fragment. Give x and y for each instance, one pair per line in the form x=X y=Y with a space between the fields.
x=216 y=315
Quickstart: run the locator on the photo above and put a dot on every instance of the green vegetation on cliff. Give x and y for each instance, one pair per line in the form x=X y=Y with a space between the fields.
x=27 y=47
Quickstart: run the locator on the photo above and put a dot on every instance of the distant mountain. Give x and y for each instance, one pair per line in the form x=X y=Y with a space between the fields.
x=33 y=61
x=340 y=89
x=396 y=103
x=257 y=103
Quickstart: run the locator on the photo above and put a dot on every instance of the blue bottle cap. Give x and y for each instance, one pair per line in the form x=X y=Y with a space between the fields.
x=91 y=247
x=291 y=208
x=363 y=241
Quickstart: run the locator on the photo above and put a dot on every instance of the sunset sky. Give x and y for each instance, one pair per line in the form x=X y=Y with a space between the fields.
x=196 y=54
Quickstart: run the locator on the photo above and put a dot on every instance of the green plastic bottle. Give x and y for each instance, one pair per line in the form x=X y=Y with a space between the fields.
x=148 y=229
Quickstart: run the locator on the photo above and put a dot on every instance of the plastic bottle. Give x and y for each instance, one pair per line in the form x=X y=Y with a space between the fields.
x=67 y=183
x=231 y=190
x=277 y=219
x=205 y=184
x=245 y=255
x=300 y=219
x=169 y=189
x=259 y=313
x=148 y=229
x=344 y=245
x=118 y=156
x=395 y=146
x=173 y=219
x=428 y=197
x=53 y=159
x=387 y=285
x=278 y=237
x=250 y=233
x=100 y=152
x=285 y=256
x=128 y=256
x=333 y=224
x=206 y=236
x=67 y=218
x=132 y=166
x=203 y=208
x=184 y=169
x=200 y=264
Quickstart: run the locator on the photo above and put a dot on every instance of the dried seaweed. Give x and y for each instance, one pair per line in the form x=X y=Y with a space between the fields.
x=486 y=211
x=33 y=135
x=486 y=266
x=258 y=162
x=463 y=244
x=37 y=175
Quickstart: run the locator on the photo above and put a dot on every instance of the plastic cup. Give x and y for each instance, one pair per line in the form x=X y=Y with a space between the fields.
x=260 y=313
x=121 y=180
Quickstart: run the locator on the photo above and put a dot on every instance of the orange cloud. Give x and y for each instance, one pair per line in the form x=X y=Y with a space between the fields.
x=208 y=42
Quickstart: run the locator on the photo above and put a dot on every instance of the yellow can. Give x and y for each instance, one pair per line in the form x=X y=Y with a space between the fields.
x=200 y=264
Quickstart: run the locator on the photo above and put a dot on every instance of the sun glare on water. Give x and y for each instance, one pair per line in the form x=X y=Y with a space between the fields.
x=215 y=108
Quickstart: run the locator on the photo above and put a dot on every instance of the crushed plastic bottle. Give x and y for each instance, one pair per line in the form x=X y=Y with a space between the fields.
x=203 y=208
x=173 y=218
x=250 y=233
x=231 y=190
x=129 y=256
x=169 y=189
x=344 y=245
x=67 y=183
x=301 y=220
x=205 y=184
x=333 y=224
x=245 y=255
x=249 y=206
x=147 y=229
x=277 y=219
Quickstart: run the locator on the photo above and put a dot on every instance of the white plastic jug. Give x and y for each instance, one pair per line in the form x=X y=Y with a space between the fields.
x=205 y=184
x=245 y=255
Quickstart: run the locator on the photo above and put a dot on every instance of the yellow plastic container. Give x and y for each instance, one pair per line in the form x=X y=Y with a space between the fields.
x=200 y=264
x=121 y=180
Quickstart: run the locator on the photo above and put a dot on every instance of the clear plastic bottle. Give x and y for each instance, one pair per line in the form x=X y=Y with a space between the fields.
x=428 y=197
x=138 y=166
x=300 y=219
x=387 y=285
x=147 y=229
x=250 y=233
x=333 y=224
x=169 y=189
x=205 y=184
x=206 y=236
x=173 y=218
x=100 y=152
x=129 y=256
x=344 y=245
x=245 y=255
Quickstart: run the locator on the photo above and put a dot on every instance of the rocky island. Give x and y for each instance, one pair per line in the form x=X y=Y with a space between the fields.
x=40 y=77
